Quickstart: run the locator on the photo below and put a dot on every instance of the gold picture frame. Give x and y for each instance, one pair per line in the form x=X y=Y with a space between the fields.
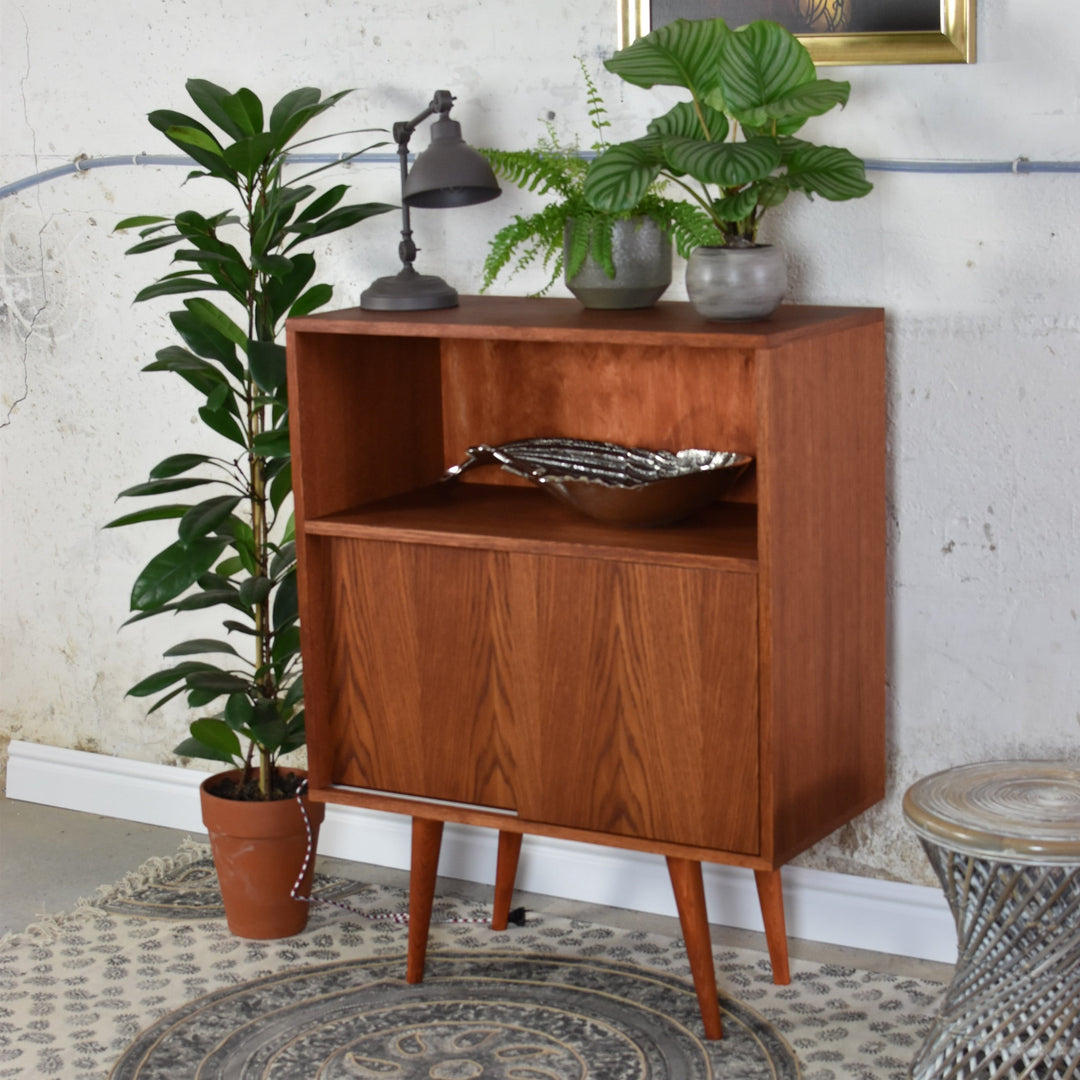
x=953 y=43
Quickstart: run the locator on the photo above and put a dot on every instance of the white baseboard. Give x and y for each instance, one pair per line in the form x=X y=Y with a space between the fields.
x=839 y=909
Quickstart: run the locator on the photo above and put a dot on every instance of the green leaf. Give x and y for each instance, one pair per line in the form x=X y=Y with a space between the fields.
x=164 y=700
x=203 y=519
x=239 y=627
x=220 y=421
x=250 y=154
x=211 y=101
x=194 y=748
x=703 y=122
x=198 y=646
x=255 y=590
x=246 y=109
x=207 y=341
x=760 y=63
x=155 y=244
x=178 y=463
x=280 y=487
x=239 y=713
x=172 y=571
x=196 y=699
x=160 y=487
x=271 y=444
x=681 y=53
x=230 y=566
x=286 y=606
x=342 y=218
x=199 y=373
x=267 y=362
x=791 y=110
x=273 y=265
x=154 y=513
x=157 y=682
x=828 y=171
x=296 y=108
x=175 y=285
x=139 y=221
x=216 y=735
x=317 y=207
x=194 y=138
x=726 y=164
x=737 y=207
x=282 y=292
x=215 y=318
x=167 y=122
x=222 y=681
x=618 y=179
x=284 y=559
x=316 y=297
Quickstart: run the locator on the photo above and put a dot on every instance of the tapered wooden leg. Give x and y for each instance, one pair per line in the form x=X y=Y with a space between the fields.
x=690 y=900
x=771 y=897
x=426 y=841
x=505 y=872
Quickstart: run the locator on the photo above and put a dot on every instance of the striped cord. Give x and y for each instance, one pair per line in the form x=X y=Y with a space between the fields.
x=515 y=918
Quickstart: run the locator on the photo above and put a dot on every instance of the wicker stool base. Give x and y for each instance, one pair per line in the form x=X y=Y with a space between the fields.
x=1013 y=1008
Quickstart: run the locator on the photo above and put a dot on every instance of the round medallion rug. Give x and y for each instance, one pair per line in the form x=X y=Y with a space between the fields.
x=495 y=1016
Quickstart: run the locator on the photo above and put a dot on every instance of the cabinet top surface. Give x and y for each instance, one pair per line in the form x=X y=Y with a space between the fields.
x=558 y=319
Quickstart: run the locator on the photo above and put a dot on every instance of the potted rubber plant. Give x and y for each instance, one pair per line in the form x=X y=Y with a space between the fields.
x=240 y=273
x=732 y=148
x=608 y=259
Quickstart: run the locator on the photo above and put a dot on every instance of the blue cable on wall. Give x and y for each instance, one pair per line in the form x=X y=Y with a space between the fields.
x=1016 y=166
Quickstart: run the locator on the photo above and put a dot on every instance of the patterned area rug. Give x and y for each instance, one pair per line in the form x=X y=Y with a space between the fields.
x=127 y=988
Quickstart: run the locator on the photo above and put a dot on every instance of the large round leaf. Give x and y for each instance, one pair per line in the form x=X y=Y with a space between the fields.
x=760 y=63
x=726 y=164
x=828 y=171
x=620 y=176
x=693 y=122
x=682 y=53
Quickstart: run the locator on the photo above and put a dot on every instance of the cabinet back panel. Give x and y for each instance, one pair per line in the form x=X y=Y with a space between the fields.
x=661 y=397
x=365 y=419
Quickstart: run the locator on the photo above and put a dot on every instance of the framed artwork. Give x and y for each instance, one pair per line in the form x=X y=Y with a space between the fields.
x=835 y=31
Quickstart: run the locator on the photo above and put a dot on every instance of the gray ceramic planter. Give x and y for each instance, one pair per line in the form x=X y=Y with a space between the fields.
x=642 y=256
x=736 y=283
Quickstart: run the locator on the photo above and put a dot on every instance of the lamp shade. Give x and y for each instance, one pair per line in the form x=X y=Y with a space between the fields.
x=449 y=172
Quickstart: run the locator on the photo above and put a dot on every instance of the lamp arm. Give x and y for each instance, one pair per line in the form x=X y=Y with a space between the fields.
x=403 y=132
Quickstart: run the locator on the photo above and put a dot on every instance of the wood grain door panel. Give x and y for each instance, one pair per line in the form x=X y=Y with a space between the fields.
x=646 y=721
x=419 y=655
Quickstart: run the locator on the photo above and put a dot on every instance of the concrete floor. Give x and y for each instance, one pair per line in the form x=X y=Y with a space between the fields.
x=51 y=858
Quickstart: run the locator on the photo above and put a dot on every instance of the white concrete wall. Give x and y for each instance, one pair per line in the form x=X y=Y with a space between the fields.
x=979 y=276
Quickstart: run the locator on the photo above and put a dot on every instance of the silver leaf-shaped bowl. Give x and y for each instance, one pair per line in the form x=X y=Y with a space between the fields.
x=619 y=485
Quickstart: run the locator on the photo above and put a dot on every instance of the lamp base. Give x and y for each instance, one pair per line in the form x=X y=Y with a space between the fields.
x=408 y=291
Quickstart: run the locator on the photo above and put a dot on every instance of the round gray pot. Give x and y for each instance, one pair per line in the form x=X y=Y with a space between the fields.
x=736 y=282
x=642 y=256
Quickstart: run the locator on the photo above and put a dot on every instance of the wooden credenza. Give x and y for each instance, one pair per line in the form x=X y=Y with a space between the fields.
x=478 y=652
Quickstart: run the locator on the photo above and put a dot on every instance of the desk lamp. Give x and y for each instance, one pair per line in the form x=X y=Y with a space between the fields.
x=448 y=173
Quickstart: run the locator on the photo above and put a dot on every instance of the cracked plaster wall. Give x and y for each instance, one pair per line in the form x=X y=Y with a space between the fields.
x=979 y=276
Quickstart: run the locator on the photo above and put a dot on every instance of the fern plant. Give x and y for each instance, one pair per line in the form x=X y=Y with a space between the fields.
x=568 y=229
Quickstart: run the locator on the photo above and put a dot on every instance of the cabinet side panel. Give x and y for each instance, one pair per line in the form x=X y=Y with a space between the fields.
x=647 y=718
x=821 y=482
x=662 y=397
x=422 y=702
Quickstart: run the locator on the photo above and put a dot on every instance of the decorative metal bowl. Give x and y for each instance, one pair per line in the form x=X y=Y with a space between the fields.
x=620 y=485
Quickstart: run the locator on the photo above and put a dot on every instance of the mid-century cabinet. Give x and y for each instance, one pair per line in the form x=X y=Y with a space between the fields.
x=477 y=652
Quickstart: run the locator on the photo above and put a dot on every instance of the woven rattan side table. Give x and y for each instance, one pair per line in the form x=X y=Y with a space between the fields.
x=1004 y=840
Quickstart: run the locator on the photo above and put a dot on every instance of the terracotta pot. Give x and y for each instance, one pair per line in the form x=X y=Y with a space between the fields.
x=259 y=848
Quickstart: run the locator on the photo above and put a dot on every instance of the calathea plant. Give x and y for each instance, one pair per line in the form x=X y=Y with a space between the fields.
x=732 y=147
x=242 y=273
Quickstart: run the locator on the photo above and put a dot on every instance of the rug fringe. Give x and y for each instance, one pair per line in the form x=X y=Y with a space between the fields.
x=48 y=927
